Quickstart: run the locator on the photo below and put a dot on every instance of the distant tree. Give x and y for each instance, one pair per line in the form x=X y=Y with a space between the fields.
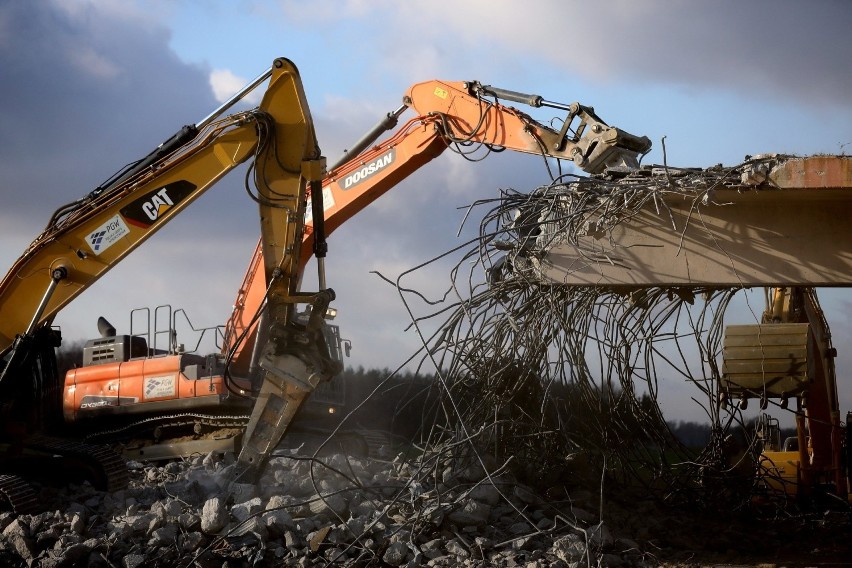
x=691 y=434
x=69 y=356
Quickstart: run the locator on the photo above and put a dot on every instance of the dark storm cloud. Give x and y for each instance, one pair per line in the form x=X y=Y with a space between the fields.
x=786 y=48
x=84 y=91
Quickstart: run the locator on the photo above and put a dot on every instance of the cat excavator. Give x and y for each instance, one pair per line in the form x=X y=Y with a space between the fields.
x=277 y=348
x=86 y=238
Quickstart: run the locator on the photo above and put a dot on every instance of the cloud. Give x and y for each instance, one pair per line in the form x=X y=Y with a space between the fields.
x=226 y=84
x=779 y=48
x=84 y=93
x=307 y=11
x=93 y=63
x=766 y=45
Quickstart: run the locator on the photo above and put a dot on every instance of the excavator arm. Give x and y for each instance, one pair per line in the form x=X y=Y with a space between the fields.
x=462 y=115
x=84 y=239
x=294 y=358
x=90 y=236
x=465 y=115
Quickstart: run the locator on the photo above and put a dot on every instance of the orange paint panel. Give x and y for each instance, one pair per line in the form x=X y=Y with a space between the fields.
x=89 y=387
x=185 y=386
x=130 y=376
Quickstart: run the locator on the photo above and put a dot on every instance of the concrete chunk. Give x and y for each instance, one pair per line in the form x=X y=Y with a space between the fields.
x=214 y=515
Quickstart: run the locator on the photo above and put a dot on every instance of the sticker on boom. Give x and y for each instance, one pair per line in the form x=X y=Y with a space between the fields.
x=151 y=207
x=107 y=234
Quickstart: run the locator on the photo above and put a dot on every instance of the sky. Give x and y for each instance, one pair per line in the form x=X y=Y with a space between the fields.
x=90 y=85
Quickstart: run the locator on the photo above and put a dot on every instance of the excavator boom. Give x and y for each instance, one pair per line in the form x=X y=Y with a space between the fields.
x=84 y=239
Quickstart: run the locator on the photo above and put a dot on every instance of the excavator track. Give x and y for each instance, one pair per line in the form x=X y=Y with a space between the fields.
x=96 y=463
x=18 y=495
x=174 y=436
x=167 y=422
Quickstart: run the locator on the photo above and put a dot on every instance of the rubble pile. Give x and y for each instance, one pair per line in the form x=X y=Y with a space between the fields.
x=311 y=512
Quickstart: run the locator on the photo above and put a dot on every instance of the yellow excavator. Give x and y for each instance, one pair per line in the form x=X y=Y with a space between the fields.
x=789 y=357
x=86 y=238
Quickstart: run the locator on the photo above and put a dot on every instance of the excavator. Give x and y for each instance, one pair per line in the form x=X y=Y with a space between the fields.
x=85 y=238
x=787 y=357
x=275 y=351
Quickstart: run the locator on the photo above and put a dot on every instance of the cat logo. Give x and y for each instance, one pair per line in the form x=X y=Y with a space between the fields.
x=151 y=207
x=159 y=204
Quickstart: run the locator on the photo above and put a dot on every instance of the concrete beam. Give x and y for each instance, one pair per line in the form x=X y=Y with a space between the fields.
x=793 y=229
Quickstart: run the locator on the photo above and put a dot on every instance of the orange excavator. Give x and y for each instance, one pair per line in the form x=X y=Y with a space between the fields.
x=170 y=387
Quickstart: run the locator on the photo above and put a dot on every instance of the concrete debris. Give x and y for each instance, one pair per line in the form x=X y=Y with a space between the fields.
x=395 y=554
x=303 y=513
x=471 y=514
x=214 y=515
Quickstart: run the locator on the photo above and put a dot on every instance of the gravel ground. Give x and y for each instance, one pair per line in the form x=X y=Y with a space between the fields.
x=367 y=512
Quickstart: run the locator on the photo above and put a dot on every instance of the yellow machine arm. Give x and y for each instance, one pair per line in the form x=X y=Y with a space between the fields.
x=294 y=355
x=87 y=238
x=84 y=239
